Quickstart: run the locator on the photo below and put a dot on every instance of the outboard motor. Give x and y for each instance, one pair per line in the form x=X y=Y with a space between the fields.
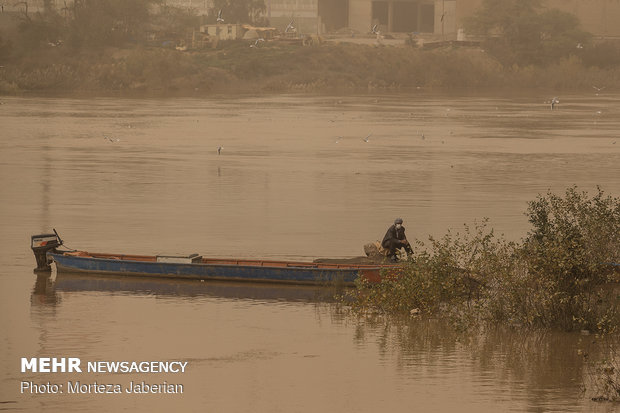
x=40 y=245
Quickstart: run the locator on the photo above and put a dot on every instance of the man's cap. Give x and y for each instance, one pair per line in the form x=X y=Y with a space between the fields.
x=398 y=221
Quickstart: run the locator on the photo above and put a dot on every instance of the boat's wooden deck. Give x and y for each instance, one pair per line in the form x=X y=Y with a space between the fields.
x=230 y=261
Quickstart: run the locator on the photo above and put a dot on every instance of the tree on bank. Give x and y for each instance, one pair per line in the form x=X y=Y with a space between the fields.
x=86 y=23
x=108 y=22
x=523 y=32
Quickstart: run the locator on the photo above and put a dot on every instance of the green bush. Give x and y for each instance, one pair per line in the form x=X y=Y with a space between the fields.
x=557 y=277
x=574 y=240
x=454 y=269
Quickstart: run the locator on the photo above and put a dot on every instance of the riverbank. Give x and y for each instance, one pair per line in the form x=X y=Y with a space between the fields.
x=279 y=67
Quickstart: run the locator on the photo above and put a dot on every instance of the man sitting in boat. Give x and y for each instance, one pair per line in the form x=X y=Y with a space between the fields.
x=395 y=239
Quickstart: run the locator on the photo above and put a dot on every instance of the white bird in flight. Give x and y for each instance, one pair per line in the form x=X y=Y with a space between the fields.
x=220 y=19
x=554 y=101
x=290 y=27
x=257 y=42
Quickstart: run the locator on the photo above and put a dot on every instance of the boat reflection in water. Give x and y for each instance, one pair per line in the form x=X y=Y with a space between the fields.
x=44 y=290
x=74 y=282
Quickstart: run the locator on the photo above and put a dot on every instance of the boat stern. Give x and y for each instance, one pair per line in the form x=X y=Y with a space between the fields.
x=40 y=245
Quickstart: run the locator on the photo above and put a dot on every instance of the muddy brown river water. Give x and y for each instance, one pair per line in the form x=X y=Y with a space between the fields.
x=294 y=179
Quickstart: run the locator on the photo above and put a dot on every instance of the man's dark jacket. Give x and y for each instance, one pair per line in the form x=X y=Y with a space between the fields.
x=393 y=233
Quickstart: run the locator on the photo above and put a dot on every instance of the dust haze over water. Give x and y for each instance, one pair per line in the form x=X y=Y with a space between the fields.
x=294 y=179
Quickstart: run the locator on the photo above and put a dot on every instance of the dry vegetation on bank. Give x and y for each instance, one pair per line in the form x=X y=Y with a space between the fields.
x=278 y=67
x=563 y=275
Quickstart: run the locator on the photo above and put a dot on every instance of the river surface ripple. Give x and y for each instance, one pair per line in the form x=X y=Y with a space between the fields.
x=294 y=179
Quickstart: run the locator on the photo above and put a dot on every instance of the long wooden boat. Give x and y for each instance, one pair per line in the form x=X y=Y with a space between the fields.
x=199 y=268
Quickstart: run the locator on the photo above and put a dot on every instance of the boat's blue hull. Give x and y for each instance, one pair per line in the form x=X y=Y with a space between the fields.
x=303 y=274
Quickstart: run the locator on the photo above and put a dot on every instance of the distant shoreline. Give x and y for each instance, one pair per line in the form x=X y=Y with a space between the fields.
x=328 y=68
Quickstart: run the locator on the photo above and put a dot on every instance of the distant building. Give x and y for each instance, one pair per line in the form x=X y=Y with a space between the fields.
x=390 y=16
x=438 y=17
x=223 y=31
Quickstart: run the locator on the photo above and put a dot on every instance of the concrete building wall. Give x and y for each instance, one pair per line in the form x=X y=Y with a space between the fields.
x=360 y=12
x=305 y=13
x=223 y=31
x=445 y=18
x=292 y=8
x=396 y=15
